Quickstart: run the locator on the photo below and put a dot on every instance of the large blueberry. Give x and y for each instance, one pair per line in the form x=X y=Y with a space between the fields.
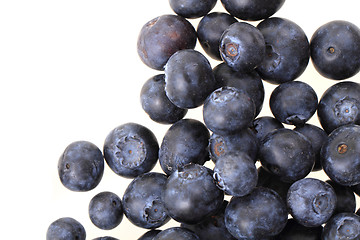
x=65 y=229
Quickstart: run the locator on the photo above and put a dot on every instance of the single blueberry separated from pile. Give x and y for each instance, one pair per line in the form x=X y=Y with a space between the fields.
x=65 y=229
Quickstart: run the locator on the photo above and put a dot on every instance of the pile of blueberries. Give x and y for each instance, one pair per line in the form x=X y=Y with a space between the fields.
x=273 y=201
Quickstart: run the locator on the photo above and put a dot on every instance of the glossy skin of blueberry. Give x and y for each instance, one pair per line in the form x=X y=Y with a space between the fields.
x=260 y=214
x=335 y=50
x=65 y=229
x=340 y=155
x=287 y=154
x=149 y=235
x=176 y=233
x=81 y=166
x=191 y=194
x=131 y=149
x=287 y=50
x=192 y=8
x=243 y=141
x=293 y=102
x=210 y=29
x=242 y=47
x=105 y=238
x=105 y=210
x=268 y=180
x=345 y=198
x=186 y=141
x=252 y=10
x=156 y=104
x=342 y=226
x=228 y=110
x=235 y=174
x=213 y=227
x=250 y=82
x=264 y=125
x=142 y=201
x=189 y=78
x=339 y=105
x=317 y=136
x=161 y=37
x=311 y=202
x=295 y=231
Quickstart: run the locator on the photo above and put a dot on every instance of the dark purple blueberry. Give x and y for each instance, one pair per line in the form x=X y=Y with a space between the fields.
x=287 y=154
x=189 y=78
x=161 y=37
x=342 y=226
x=340 y=155
x=252 y=10
x=176 y=233
x=81 y=166
x=228 y=110
x=260 y=214
x=345 y=197
x=149 y=235
x=287 y=50
x=250 y=82
x=105 y=210
x=191 y=194
x=131 y=150
x=156 y=104
x=335 y=50
x=243 y=141
x=339 y=105
x=186 y=141
x=293 y=102
x=213 y=227
x=311 y=202
x=192 y=8
x=264 y=125
x=210 y=29
x=142 y=201
x=105 y=238
x=295 y=231
x=242 y=46
x=317 y=136
x=235 y=174
x=65 y=229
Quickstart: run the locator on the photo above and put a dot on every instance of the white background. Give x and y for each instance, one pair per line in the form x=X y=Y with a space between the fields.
x=69 y=71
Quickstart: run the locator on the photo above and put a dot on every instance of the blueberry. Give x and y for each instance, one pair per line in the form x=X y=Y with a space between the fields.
x=210 y=29
x=293 y=102
x=252 y=10
x=287 y=50
x=339 y=105
x=342 y=226
x=228 y=110
x=345 y=198
x=235 y=174
x=149 y=235
x=295 y=231
x=189 y=78
x=250 y=82
x=190 y=194
x=156 y=104
x=65 y=229
x=260 y=214
x=176 y=233
x=142 y=201
x=311 y=202
x=243 y=141
x=340 y=155
x=335 y=50
x=192 y=8
x=242 y=46
x=212 y=227
x=81 y=166
x=186 y=141
x=131 y=150
x=105 y=210
x=161 y=37
x=287 y=154
x=105 y=238
x=317 y=136
x=263 y=125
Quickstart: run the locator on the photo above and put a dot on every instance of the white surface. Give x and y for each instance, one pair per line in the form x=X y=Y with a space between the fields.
x=69 y=71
